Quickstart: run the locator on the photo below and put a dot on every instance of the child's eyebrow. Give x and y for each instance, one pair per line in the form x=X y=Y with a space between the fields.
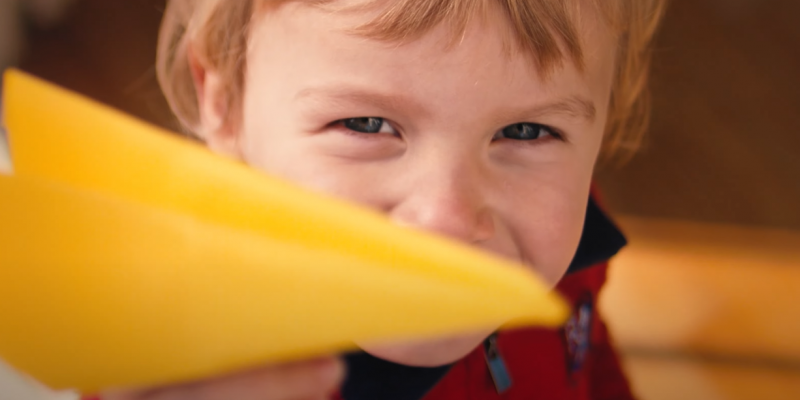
x=575 y=106
x=334 y=94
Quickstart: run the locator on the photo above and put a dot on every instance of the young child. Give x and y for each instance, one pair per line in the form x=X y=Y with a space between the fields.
x=480 y=120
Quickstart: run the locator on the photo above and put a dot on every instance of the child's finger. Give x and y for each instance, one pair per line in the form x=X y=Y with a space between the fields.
x=296 y=381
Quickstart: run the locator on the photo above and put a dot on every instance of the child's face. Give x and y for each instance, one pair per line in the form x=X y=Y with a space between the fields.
x=466 y=141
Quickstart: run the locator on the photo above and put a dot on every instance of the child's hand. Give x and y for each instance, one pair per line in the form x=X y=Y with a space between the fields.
x=309 y=380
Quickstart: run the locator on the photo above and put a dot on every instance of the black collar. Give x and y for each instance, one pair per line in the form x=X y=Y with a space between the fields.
x=371 y=378
x=600 y=239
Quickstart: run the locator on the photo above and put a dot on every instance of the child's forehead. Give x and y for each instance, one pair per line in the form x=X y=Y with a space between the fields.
x=550 y=32
x=332 y=64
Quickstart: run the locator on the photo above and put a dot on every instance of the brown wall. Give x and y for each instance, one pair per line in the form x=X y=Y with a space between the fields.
x=106 y=50
x=725 y=139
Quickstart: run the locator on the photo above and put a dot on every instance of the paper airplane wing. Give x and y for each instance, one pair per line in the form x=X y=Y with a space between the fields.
x=132 y=257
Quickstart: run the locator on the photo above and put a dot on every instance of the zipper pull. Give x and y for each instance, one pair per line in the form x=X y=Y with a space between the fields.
x=496 y=364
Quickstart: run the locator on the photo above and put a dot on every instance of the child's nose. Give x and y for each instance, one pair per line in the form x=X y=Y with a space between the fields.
x=450 y=207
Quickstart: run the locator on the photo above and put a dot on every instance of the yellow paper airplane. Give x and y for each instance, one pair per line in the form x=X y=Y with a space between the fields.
x=131 y=257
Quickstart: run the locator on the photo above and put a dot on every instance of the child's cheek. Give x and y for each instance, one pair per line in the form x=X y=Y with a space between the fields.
x=548 y=237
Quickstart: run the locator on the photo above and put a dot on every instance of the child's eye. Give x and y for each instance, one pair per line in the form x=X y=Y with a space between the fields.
x=368 y=125
x=526 y=131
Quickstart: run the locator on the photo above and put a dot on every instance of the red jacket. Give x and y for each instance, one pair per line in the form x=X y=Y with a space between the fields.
x=539 y=362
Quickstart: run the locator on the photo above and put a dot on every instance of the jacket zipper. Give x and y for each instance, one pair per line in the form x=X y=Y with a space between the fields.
x=496 y=364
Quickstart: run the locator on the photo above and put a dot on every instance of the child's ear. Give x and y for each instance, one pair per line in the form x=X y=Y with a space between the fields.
x=215 y=128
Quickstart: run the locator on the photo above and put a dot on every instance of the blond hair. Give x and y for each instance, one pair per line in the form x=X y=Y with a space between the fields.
x=217 y=33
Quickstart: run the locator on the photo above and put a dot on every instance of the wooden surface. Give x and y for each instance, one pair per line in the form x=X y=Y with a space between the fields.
x=706 y=311
x=714 y=290
x=664 y=378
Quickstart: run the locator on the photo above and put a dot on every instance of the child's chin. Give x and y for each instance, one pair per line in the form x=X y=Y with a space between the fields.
x=431 y=353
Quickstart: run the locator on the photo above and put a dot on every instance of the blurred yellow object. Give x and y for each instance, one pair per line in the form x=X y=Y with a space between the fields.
x=130 y=257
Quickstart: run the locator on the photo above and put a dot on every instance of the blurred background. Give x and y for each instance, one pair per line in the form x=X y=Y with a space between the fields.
x=705 y=302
